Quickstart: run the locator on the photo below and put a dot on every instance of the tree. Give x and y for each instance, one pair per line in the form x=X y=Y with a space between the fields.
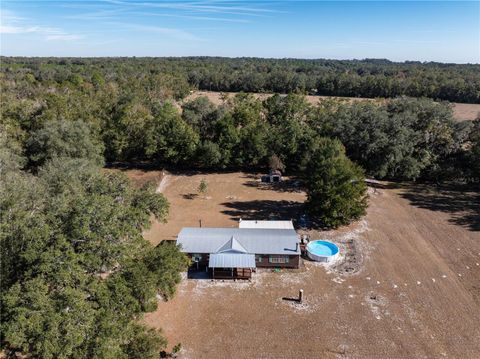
x=288 y=117
x=401 y=139
x=176 y=140
x=209 y=154
x=76 y=271
x=203 y=186
x=61 y=138
x=11 y=156
x=276 y=163
x=336 y=190
x=202 y=115
x=228 y=138
x=144 y=343
x=129 y=132
x=474 y=154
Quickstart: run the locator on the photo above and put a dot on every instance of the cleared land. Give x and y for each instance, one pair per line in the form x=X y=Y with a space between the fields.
x=461 y=111
x=229 y=196
x=414 y=291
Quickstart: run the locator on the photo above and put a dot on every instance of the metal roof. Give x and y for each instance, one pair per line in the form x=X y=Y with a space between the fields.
x=253 y=240
x=265 y=224
x=231 y=260
x=232 y=246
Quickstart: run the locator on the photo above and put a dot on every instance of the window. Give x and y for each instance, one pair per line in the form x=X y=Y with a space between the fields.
x=278 y=259
x=258 y=258
x=196 y=257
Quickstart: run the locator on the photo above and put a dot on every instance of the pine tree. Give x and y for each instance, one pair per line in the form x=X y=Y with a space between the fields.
x=335 y=186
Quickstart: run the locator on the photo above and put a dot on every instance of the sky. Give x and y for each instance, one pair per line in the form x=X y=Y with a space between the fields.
x=445 y=31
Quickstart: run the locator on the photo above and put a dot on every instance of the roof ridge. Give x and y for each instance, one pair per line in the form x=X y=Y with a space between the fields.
x=232 y=245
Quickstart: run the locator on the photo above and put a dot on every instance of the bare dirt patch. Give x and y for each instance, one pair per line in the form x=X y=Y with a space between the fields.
x=466 y=111
x=461 y=111
x=415 y=294
x=229 y=197
x=352 y=248
x=218 y=97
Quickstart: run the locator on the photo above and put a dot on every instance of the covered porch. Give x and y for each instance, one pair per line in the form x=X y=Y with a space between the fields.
x=232 y=273
x=231 y=265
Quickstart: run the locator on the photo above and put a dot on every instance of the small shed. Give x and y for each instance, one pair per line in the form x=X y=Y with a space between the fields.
x=274 y=176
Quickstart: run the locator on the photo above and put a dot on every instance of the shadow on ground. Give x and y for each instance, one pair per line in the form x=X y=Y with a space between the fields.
x=264 y=210
x=461 y=201
x=199 y=275
x=284 y=186
x=190 y=196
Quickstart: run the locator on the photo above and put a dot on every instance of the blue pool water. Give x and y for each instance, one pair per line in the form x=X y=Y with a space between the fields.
x=322 y=248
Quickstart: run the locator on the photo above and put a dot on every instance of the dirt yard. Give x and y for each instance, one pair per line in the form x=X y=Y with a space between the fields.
x=414 y=291
x=229 y=196
x=461 y=111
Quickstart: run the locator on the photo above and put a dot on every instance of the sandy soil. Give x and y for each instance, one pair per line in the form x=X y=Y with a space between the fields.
x=466 y=111
x=414 y=294
x=229 y=196
x=461 y=111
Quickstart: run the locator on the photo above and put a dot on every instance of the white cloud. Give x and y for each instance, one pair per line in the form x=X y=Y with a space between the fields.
x=14 y=25
x=211 y=7
x=194 y=17
x=64 y=37
x=5 y=29
x=8 y=29
x=171 y=32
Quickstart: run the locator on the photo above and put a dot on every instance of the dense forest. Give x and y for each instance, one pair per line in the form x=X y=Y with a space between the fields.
x=76 y=272
x=131 y=110
x=353 y=78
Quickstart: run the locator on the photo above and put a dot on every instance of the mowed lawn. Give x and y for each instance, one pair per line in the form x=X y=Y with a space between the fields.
x=415 y=292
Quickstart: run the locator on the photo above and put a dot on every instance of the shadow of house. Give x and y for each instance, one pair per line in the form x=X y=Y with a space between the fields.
x=462 y=202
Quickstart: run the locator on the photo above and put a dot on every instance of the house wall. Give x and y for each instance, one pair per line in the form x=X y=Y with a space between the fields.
x=261 y=261
x=264 y=261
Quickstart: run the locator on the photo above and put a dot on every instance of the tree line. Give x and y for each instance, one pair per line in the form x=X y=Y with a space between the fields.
x=76 y=272
x=352 y=78
x=124 y=111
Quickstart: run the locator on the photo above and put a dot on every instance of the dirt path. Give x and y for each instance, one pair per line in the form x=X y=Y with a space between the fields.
x=163 y=183
x=415 y=295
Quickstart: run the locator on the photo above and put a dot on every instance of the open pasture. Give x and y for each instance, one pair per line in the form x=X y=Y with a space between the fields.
x=461 y=111
x=413 y=291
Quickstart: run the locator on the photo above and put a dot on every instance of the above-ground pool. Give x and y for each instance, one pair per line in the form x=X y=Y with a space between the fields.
x=322 y=251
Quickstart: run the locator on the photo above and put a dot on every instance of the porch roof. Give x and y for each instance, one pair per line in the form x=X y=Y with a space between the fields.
x=231 y=260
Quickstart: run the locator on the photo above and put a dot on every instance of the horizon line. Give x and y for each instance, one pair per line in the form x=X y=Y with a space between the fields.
x=366 y=59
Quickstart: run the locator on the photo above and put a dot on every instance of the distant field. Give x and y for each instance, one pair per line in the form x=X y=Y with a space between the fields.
x=461 y=111
x=466 y=111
